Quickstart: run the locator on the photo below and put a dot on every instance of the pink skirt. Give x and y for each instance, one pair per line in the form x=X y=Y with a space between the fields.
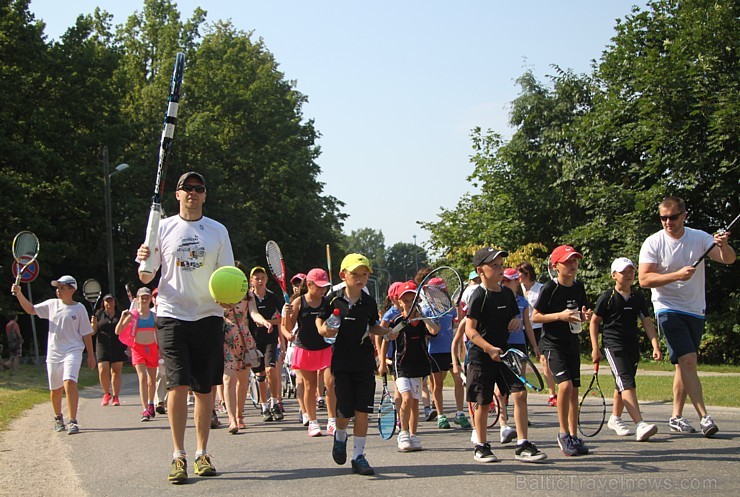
x=311 y=360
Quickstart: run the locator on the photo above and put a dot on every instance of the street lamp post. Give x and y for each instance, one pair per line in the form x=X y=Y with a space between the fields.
x=416 y=255
x=108 y=221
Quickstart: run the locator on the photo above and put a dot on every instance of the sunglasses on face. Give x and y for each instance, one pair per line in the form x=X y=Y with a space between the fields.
x=193 y=188
x=671 y=218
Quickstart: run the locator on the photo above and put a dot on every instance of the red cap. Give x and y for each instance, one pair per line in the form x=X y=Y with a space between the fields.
x=298 y=276
x=407 y=287
x=563 y=253
x=318 y=276
x=438 y=282
x=511 y=274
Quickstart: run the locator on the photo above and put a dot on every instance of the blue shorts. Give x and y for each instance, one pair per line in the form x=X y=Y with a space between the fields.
x=682 y=333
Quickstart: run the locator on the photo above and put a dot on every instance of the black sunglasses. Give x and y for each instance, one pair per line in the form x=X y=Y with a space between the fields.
x=195 y=188
x=672 y=218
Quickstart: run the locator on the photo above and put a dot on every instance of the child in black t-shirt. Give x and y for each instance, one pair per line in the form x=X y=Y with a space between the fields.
x=353 y=357
x=492 y=314
x=412 y=365
x=561 y=308
x=619 y=309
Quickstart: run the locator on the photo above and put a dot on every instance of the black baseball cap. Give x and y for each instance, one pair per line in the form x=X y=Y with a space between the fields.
x=190 y=174
x=486 y=255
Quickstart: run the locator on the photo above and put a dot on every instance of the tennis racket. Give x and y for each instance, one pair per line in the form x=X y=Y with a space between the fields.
x=130 y=293
x=328 y=264
x=720 y=232
x=168 y=133
x=25 y=252
x=522 y=366
x=433 y=298
x=91 y=290
x=277 y=267
x=386 y=413
x=592 y=409
x=494 y=411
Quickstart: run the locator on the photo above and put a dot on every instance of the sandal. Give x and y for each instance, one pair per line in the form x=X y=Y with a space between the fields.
x=233 y=428
x=240 y=424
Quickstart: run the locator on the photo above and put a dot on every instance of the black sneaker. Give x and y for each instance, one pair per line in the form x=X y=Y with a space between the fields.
x=277 y=413
x=160 y=409
x=362 y=467
x=580 y=446
x=431 y=415
x=565 y=442
x=483 y=453
x=321 y=404
x=339 y=451
x=267 y=415
x=178 y=471
x=527 y=452
x=215 y=423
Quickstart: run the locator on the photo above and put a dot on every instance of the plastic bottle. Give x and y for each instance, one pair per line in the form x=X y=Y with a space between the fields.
x=334 y=322
x=575 y=327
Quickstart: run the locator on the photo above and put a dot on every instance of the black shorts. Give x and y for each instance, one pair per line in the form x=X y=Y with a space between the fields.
x=441 y=362
x=355 y=391
x=682 y=333
x=624 y=367
x=269 y=356
x=107 y=350
x=564 y=367
x=482 y=379
x=193 y=352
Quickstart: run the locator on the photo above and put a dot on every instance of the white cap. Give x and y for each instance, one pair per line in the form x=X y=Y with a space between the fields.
x=65 y=280
x=620 y=264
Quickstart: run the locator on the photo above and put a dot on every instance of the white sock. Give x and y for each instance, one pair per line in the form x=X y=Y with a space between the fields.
x=359 y=447
x=178 y=453
x=521 y=442
x=273 y=402
x=199 y=453
x=331 y=420
x=458 y=414
x=264 y=406
x=341 y=435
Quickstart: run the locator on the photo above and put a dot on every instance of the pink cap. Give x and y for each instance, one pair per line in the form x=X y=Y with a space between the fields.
x=298 y=276
x=406 y=287
x=511 y=274
x=318 y=276
x=438 y=282
x=393 y=289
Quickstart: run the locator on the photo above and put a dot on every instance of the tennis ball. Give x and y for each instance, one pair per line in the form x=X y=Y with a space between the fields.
x=228 y=285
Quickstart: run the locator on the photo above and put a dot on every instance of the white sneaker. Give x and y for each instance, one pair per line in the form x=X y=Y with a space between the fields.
x=615 y=423
x=331 y=427
x=304 y=419
x=708 y=428
x=404 y=442
x=474 y=437
x=314 y=430
x=415 y=443
x=644 y=431
x=507 y=434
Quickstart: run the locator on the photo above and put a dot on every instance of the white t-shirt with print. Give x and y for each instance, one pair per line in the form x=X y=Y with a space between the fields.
x=671 y=255
x=67 y=325
x=532 y=295
x=188 y=253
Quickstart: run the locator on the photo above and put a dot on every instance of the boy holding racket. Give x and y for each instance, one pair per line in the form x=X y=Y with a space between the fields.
x=353 y=357
x=70 y=333
x=619 y=310
x=412 y=365
x=561 y=307
x=492 y=314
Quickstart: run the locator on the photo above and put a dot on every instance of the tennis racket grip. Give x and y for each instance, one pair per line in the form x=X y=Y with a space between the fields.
x=18 y=278
x=152 y=230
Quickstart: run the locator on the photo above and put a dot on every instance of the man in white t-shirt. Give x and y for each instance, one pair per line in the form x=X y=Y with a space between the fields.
x=667 y=261
x=190 y=325
x=70 y=333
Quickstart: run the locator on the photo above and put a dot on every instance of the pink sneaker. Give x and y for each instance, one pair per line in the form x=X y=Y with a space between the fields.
x=331 y=427
x=115 y=402
x=314 y=430
x=106 y=399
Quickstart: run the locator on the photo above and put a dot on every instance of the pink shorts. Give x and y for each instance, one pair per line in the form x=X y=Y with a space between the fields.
x=311 y=360
x=148 y=354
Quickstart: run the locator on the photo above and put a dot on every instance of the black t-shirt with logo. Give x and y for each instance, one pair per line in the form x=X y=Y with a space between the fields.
x=493 y=309
x=353 y=348
x=269 y=308
x=412 y=358
x=555 y=297
x=620 y=319
x=308 y=336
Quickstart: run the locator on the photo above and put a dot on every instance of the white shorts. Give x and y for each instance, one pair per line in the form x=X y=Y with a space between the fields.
x=69 y=369
x=412 y=385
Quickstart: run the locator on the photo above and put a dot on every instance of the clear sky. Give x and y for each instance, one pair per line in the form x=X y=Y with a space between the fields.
x=396 y=86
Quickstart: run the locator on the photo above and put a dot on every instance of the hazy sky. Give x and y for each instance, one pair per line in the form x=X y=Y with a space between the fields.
x=396 y=86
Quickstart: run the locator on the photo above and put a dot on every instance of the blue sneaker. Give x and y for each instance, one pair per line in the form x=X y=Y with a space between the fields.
x=362 y=467
x=565 y=442
x=580 y=446
x=339 y=451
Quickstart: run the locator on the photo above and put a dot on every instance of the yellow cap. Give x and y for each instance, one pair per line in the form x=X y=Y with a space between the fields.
x=353 y=261
x=256 y=269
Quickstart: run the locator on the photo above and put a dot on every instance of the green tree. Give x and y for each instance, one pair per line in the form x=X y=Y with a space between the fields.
x=403 y=260
x=368 y=242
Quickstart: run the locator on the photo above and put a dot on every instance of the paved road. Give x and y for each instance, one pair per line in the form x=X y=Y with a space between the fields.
x=117 y=455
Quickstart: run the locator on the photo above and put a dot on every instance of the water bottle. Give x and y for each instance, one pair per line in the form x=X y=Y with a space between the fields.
x=575 y=327
x=334 y=322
